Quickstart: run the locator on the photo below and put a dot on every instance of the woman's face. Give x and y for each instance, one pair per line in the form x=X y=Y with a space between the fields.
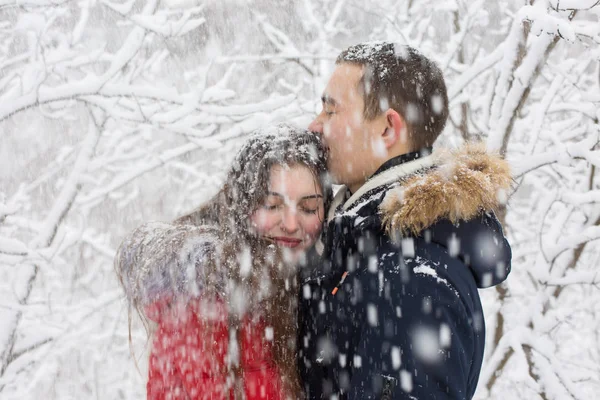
x=292 y=213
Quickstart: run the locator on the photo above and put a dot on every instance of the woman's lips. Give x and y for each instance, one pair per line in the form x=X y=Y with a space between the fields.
x=287 y=242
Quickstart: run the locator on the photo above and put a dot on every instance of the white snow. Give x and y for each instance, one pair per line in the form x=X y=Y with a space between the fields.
x=373 y=264
x=426 y=345
x=408 y=247
x=396 y=359
x=12 y=246
x=306 y=292
x=427 y=270
x=406 y=382
x=372 y=315
x=245 y=262
x=269 y=333
x=445 y=336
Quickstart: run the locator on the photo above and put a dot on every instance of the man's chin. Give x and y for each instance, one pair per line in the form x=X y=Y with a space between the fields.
x=339 y=178
x=334 y=176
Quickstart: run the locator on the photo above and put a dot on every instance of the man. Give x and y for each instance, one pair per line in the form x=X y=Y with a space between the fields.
x=393 y=311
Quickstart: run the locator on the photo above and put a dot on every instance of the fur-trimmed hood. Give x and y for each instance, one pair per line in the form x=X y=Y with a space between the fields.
x=448 y=198
x=463 y=184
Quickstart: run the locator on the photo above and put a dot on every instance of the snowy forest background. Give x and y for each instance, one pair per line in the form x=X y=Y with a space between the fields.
x=116 y=112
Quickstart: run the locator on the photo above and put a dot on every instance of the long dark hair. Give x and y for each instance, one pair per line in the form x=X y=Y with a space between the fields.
x=244 y=191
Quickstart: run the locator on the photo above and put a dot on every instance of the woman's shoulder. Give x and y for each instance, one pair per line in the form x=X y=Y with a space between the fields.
x=160 y=264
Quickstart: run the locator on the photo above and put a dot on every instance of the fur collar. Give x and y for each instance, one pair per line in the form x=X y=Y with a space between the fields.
x=464 y=183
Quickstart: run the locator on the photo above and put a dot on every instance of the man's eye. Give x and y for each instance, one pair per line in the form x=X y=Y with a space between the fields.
x=309 y=210
x=329 y=113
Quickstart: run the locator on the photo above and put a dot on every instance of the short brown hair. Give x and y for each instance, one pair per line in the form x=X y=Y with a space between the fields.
x=399 y=77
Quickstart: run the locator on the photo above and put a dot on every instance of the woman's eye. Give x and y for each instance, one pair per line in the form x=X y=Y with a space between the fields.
x=310 y=206
x=271 y=207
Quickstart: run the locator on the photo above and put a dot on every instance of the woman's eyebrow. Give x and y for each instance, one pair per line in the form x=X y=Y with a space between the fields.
x=312 y=196
x=308 y=197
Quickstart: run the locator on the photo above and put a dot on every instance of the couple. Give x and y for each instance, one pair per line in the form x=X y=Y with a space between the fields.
x=277 y=289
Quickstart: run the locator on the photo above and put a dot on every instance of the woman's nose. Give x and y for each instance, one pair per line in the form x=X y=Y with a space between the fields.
x=289 y=221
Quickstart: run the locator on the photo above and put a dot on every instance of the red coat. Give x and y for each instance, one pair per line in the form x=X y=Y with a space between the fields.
x=188 y=357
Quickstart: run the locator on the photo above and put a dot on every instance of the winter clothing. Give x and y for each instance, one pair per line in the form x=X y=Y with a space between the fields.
x=191 y=350
x=393 y=311
x=164 y=270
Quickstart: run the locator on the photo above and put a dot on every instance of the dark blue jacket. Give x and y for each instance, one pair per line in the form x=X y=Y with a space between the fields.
x=397 y=315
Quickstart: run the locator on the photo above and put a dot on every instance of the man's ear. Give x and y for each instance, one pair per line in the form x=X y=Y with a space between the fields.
x=396 y=129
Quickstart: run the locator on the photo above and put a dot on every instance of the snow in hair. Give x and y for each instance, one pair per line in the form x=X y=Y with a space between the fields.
x=277 y=145
x=158 y=259
x=281 y=144
x=373 y=52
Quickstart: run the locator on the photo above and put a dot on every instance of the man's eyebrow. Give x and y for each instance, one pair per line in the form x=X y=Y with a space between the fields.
x=328 y=100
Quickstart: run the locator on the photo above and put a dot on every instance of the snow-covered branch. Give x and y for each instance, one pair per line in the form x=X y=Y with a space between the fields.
x=580 y=150
x=482 y=65
x=589 y=234
x=71 y=188
x=578 y=278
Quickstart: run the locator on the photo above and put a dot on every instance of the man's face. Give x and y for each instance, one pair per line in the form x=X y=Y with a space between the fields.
x=352 y=140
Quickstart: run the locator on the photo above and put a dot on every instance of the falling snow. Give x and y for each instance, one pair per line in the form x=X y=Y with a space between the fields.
x=115 y=113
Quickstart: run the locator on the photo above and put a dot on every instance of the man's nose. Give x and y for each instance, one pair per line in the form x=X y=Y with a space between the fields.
x=316 y=125
x=289 y=221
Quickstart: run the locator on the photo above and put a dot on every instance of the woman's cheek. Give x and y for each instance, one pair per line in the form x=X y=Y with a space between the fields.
x=263 y=221
x=312 y=226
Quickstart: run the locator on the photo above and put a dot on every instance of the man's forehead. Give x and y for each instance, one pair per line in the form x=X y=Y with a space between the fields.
x=342 y=84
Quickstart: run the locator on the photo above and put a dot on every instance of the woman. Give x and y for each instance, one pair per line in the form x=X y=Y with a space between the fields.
x=220 y=283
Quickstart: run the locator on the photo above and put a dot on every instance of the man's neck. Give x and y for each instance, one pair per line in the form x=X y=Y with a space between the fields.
x=389 y=163
x=355 y=186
